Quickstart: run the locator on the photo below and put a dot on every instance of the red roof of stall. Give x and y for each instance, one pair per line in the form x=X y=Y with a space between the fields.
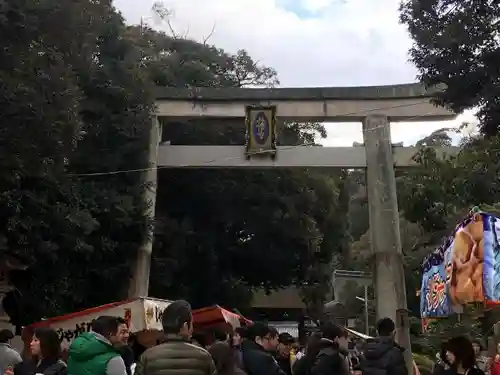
x=216 y=314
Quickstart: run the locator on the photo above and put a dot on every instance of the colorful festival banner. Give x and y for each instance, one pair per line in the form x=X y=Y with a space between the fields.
x=468 y=262
x=491 y=258
x=434 y=300
x=465 y=262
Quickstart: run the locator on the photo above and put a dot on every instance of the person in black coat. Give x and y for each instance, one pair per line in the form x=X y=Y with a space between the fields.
x=332 y=352
x=382 y=356
x=257 y=351
x=303 y=365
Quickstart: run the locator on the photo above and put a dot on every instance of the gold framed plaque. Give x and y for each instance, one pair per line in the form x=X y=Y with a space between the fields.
x=260 y=131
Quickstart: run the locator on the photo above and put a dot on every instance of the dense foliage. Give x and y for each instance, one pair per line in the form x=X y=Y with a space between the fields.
x=76 y=88
x=456 y=42
x=73 y=102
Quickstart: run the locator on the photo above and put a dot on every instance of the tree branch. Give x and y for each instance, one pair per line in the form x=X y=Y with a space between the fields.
x=205 y=40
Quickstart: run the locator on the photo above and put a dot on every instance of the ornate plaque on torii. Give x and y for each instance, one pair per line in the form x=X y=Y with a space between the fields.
x=260 y=131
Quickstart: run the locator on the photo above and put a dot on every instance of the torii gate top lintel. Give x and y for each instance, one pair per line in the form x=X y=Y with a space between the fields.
x=402 y=91
x=406 y=102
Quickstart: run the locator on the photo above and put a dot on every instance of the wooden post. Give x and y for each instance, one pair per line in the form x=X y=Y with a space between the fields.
x=139 y=283
x=367 y=316
x=403 y=336
x=384 y=228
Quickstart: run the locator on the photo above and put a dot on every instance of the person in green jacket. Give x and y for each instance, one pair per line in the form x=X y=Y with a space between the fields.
x=96 y=352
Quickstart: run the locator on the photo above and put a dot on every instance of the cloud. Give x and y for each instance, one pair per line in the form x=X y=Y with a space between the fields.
x=309 y=43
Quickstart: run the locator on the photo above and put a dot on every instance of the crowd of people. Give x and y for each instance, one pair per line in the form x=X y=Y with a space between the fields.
x=255 y=350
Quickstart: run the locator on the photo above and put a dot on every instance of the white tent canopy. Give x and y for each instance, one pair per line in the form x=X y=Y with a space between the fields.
x=358 y=334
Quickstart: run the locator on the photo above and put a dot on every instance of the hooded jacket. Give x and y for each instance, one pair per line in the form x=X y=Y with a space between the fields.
x=330 y=360
x=382 y=356
x=92 y=354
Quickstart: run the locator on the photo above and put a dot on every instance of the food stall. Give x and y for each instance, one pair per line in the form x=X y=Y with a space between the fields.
x=218 y=317
x=143 y=316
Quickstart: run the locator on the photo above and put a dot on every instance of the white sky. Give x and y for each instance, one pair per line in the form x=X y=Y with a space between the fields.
x=309 y=43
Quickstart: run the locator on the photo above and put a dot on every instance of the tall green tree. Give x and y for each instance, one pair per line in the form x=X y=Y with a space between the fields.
x=438 y=193
x=115 y=110
x=457 y=43
x=75 y=102
x=39 y=99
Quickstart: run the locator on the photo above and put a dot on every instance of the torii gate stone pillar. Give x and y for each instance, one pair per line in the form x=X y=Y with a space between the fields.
x=374 y=106
x=384 y=226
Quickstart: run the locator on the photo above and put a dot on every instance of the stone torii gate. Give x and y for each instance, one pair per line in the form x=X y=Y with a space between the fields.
x=375 y=107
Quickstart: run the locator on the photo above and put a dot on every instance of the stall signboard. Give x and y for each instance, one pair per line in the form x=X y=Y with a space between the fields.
x=141 y=314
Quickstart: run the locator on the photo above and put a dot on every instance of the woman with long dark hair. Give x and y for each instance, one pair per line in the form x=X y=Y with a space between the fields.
x=461 y=357
x=45 y=350
x=223 y=357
